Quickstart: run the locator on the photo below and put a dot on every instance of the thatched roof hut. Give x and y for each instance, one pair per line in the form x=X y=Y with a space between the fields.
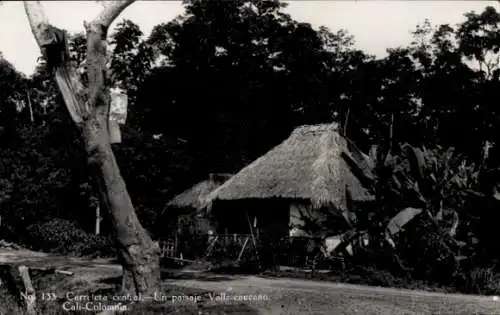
x=306 y=166
x=193 y=198
x=184 y=213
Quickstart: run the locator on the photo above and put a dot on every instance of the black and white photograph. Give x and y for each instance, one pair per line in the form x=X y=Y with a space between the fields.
x=247 y=157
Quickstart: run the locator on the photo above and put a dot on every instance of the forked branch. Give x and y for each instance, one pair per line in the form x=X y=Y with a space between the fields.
x=111 y=12
x=52 y=42
x=39 y=22
x=96 y=53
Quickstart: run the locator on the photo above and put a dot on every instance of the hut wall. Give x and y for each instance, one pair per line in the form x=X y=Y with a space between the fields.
x=270 y=216
x=229 y=218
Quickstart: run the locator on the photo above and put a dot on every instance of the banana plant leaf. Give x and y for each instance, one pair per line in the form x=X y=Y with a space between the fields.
x=474 y=193
x=359 y=156
x=454 y=227
x=373 y=153
x=416 y=159
x=455 y=160
x=397 y=223
x=397 y=182
x=348 y=213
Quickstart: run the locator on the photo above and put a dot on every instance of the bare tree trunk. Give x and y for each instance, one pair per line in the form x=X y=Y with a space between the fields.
x=89 y=109
x=138 y=253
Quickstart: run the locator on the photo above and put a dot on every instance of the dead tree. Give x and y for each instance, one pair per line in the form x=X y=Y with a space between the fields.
x=89 y=109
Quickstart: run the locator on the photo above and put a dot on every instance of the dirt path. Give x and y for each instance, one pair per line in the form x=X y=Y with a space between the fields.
x=87 y=273
x=292 y=296
x=285 y=296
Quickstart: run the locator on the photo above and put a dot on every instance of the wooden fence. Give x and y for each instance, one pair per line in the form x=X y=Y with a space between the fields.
x=287 y=251
x=168 y=248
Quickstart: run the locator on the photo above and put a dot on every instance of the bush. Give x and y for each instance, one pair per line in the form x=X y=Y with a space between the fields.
x=482 y=281
x=66 y=238
x=371 y=275
x=426 y=249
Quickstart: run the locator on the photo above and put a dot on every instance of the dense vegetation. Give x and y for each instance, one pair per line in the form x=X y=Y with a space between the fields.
x=222 y=84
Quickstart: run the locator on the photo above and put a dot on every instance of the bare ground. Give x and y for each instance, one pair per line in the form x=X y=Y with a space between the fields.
x=295 y=296
x=87 y=274
x=285 y=296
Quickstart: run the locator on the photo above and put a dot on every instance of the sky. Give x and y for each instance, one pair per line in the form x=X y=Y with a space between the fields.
x=376 y=25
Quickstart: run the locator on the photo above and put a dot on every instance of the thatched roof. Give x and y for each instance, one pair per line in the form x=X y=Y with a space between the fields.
x=306 y=166
x=193 y=197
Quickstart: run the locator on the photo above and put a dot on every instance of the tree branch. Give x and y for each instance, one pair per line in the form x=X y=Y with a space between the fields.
x=52 y=43
x=96 y=51
x=111 y=12
x=39 y=22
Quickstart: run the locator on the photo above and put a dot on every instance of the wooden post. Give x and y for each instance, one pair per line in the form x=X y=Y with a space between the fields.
x=391 y=133
x=253 y=239
x=98 y=220
x=344 y=131
x=255 y=227
x=32 y=118
x=211 y=246
x=176 y=242
x=243 y=249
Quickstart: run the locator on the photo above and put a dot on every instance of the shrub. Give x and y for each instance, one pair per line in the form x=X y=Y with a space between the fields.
x=65 y=237
x=374 y=276
x=482 y=281
x=427 y=251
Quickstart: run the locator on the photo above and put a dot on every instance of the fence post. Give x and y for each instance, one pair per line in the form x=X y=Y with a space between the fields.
x=253 y=240
x=176 y=243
